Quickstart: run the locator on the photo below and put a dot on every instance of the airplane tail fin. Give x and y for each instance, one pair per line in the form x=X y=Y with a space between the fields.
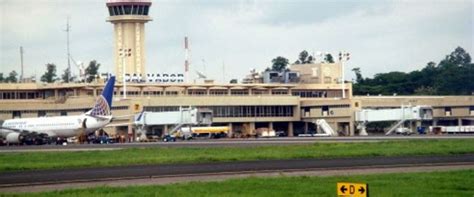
x=139 y=117
x=103 y=105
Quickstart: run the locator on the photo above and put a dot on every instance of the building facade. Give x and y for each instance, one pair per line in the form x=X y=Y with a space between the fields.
x=245 y=108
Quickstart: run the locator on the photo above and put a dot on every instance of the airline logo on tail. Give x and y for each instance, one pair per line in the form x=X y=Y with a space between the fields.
x=101 y=108
x=103 y=104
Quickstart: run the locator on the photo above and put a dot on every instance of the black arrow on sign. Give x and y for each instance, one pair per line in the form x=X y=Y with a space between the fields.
x=343 y=189
x=361 y=190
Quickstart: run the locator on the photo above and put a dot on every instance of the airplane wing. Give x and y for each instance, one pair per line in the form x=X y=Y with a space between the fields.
x=121 y=118
x=6 y=131
x=120 y=124
x=98 y=117
x=124 y=117
x=15 y=130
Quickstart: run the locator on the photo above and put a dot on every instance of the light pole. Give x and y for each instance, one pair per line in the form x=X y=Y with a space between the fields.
x=124 y=53
x=343 y=57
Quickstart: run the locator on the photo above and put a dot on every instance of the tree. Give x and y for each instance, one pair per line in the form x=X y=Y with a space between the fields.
x=455 y=74
x=459 y=57
x=358 y=74
x=328 y=58
x=304 y=58
x=67 y=76
x=1 y=78
x=92 y=70
x=452 y=76
x=310 y=59
x=50 y=75
x=279 y=64
x=425 y=91
x=233 y=81
x=12 y=77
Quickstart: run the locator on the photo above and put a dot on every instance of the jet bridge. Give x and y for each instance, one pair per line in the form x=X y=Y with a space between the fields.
x=183 y=117
x=400 y=115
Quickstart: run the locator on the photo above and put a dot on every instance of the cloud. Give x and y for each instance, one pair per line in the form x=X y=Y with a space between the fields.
x=381 y=35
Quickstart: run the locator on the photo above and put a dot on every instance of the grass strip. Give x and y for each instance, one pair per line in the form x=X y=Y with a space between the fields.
x=450 y=183
x=169 y=155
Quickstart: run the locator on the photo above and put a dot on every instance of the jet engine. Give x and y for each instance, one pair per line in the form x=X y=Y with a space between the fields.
x=27 y=138
x=14 y=137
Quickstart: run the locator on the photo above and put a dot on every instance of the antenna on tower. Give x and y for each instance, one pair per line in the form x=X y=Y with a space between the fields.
x=204 y=65
x=223 y=72
x=186 y=59
x=21 y=62
x=68 y=29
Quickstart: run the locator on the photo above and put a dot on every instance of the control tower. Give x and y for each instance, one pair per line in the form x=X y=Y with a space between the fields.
x=129 y=18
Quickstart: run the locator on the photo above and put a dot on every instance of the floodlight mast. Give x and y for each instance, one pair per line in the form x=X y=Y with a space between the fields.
x=68 y=29
x=124 y=53
x=343 y=57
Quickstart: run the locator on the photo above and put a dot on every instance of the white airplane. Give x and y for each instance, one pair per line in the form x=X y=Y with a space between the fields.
x=37 y=130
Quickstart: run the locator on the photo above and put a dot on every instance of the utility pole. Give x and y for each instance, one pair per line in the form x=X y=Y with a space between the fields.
x=21 y=62
x=68 y=29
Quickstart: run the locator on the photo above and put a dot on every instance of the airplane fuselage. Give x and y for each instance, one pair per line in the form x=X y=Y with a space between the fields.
x=60 y=126
x=36 y=130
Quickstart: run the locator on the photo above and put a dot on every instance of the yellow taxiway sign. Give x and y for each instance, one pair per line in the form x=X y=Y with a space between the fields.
x=352 y=189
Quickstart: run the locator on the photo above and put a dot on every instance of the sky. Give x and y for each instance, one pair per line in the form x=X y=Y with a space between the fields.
x=230 y=37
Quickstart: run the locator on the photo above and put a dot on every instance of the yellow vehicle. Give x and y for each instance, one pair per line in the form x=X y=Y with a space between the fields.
x=202 y=130
x=213 y=132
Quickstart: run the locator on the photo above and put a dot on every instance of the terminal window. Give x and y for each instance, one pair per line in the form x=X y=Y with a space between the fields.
x=41 y=113
x=279 y=92
x=145 y=12
x=111 y=11
x=325 y=111
x=447 y=111
x=135 y=9
x=128 y=9
x=16 y=114
x=252 y=111
x=218 y=92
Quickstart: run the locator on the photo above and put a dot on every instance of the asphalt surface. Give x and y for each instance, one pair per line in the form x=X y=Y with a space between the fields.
x=44 y=177
x=228 y=142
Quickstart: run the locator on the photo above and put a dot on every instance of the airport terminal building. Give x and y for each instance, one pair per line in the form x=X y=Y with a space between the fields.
x=289 y=107
x=289 y=101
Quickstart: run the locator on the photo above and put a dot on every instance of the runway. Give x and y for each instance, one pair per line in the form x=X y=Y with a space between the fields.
x=250 y=142
x=51 y=177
